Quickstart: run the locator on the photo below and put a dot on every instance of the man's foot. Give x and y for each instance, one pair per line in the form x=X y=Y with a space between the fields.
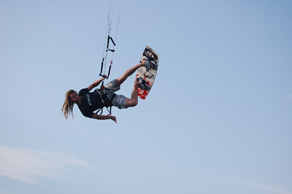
x=144 y=87
x=143 y=61
x=136 y=83
x=149 y=64
x=142 y=84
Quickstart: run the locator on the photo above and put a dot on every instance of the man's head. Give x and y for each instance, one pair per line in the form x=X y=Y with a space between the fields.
x=71 y=97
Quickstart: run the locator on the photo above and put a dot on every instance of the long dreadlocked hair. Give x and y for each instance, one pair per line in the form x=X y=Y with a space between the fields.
x=67 y=108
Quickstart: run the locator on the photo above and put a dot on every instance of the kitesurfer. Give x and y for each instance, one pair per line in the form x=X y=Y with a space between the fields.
x=88 y=102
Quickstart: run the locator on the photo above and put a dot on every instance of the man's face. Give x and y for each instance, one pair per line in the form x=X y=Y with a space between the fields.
x=74 y=97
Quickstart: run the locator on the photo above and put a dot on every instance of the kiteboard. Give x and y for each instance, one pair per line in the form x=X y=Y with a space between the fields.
x=146 y=76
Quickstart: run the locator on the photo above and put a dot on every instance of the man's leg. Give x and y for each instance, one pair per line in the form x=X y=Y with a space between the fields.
x=134 y=97
x=129 y=72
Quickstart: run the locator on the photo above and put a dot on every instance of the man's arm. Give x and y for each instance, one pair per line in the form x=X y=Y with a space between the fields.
x=101 y=117
x=96 y=83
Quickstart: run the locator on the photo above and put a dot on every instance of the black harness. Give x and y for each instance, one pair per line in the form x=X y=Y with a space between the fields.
x=106 y=102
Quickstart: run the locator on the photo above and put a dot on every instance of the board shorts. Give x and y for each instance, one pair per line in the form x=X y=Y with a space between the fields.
x=118 y=100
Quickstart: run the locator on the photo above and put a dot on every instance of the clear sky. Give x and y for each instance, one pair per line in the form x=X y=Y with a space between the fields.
x=217 y=120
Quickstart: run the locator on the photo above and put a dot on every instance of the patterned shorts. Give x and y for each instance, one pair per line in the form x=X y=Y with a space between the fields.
x=119 y=100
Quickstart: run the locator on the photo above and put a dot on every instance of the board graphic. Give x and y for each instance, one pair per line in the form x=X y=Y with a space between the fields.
x=145 y=75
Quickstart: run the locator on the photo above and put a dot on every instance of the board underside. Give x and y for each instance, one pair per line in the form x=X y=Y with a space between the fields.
x=147 y=74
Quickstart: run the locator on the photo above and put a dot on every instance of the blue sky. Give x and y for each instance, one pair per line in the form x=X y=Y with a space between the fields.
x=217 y=120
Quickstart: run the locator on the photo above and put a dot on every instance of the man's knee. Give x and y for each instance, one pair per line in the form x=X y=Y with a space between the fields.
x=132 y=103
x=135 y=103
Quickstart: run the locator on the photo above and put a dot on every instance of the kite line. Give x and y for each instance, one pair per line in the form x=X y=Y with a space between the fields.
x=109 y=43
